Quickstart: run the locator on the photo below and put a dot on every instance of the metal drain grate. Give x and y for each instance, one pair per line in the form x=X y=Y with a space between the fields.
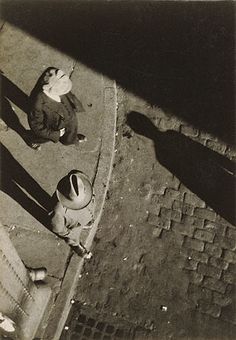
x=84 y=326
x=89 y=328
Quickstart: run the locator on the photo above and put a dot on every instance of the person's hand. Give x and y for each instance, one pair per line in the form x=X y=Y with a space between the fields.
x=62 y=132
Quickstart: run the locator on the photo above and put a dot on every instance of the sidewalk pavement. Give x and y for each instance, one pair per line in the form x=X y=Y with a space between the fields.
x=37 y=173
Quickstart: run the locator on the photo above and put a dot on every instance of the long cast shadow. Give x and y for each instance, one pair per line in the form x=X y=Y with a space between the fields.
x=14 y=178
x=209 y=175
x=174 y=54
x=14 y=93
x=11 y=92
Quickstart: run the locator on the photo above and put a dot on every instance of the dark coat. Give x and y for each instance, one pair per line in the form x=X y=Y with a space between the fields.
x=47 y=117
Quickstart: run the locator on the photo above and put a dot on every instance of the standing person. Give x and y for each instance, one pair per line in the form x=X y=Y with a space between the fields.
x=53 y=108
x=73 y=209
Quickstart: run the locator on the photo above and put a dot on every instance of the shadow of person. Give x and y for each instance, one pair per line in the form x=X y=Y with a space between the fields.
x=14 y=93
x=10 y=92
x=203 y=171
x=8 y=115
x=15 y=180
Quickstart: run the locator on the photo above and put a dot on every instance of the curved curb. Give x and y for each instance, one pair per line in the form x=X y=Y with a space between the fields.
x=62 y=305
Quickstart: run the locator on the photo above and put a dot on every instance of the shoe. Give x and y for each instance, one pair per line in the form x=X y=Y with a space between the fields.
x=82 y=251
x=35 y=146
x=79 y=251
x=89 y=225
x=81 y=138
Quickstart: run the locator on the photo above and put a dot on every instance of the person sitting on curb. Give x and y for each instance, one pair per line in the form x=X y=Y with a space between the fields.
x=53 y=108
x=73 y=209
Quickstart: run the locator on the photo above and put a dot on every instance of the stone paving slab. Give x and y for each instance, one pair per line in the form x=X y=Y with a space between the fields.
x=47 y=248
x=24 y=58
x=17 y=62
x=63 y=304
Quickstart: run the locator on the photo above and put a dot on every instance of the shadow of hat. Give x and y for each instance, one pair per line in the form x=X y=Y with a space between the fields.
x=74 y=191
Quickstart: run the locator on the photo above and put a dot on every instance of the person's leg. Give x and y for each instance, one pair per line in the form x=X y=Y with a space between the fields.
x=71 y=135
x=34 y=141
x=72 y=238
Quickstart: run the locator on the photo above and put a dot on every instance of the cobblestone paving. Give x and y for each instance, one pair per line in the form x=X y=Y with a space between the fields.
x=208 y=242
x=160 y=203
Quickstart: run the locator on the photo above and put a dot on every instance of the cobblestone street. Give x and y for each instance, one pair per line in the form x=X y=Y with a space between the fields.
x=157 y=82
x=164 y=260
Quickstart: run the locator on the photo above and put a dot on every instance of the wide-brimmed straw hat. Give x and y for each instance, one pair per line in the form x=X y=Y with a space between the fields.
x=56 y=82
x=74 y=191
